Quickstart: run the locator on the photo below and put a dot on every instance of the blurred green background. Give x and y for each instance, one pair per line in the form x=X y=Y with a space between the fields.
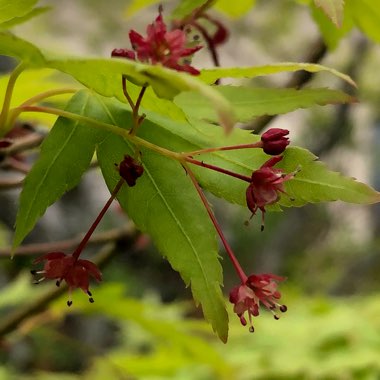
x=144 y=324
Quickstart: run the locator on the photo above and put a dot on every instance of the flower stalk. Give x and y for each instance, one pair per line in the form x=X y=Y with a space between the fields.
x=239 y=270
x=91 y=230
x=8 y=96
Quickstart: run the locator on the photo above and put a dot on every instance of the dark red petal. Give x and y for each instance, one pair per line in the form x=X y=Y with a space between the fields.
x=234 y=294
x=49 y=256
x=175 y=39
x=274 y=134
x=123 y=53
x=136 y=39
x=272 y=161
x=91 y=268
x=251 y=200
x=221 y=35
x=185 y=68
x=265 y=175
x=190 y=51
x=78 y=277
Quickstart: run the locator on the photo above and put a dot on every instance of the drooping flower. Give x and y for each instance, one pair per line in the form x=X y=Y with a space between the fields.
x=75 y=272
x=130 y=170
x=275 y=141
x=257 y=290
x=160 y=46
x=266 y=185
x=221 y=34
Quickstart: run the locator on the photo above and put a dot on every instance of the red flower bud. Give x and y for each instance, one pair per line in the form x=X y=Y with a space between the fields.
x=123 y=53
x=130 y=170
x=274 y=141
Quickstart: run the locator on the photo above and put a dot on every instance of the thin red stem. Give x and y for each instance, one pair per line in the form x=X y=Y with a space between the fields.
x=239 y=270
x=258 y=144
x=86 y=238
x=218 y=169
x=210 y=43
x=138 y=101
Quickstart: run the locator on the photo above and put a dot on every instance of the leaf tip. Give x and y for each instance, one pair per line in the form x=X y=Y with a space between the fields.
x=227 y=120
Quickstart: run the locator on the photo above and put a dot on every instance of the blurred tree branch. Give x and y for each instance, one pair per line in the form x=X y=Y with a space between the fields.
x=16 y=317
x=115 y=234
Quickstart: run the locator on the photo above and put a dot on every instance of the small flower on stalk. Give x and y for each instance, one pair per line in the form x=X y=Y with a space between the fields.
x=130 y=170
x=275 y=141
x=266 y=185
x=160 y=46
x=75 y=272
x=220 y=36
x=257 y=289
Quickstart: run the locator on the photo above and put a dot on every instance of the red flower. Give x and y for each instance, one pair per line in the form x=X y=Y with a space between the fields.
x=257 y=289
x=266 y=185
x=221 y=34
x=160 y=46
x=275 y=141
x=75 y=272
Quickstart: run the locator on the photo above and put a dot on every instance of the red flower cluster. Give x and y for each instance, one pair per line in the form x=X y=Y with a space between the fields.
x=266 y=185
x=74 y=271
x=257 y=289
x=160 y=46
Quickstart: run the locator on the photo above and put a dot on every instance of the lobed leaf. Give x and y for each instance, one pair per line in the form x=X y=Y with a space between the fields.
x=165 y=204
x=330 y=33
x=15 y=8
x=366 y=14
x=316 y=183
x=65 y=155
x=235 y=9
x=211 y=75
x=186 y=7
x=333 y=9
x=249 y=102
x=24 y=18
x=135 y=6
x=104 y=76
x=30 y=83
x=13 y=46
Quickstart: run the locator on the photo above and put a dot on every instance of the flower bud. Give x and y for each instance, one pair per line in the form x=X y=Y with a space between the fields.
x=123 y=53
x=130 y=170
x=275 y=141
